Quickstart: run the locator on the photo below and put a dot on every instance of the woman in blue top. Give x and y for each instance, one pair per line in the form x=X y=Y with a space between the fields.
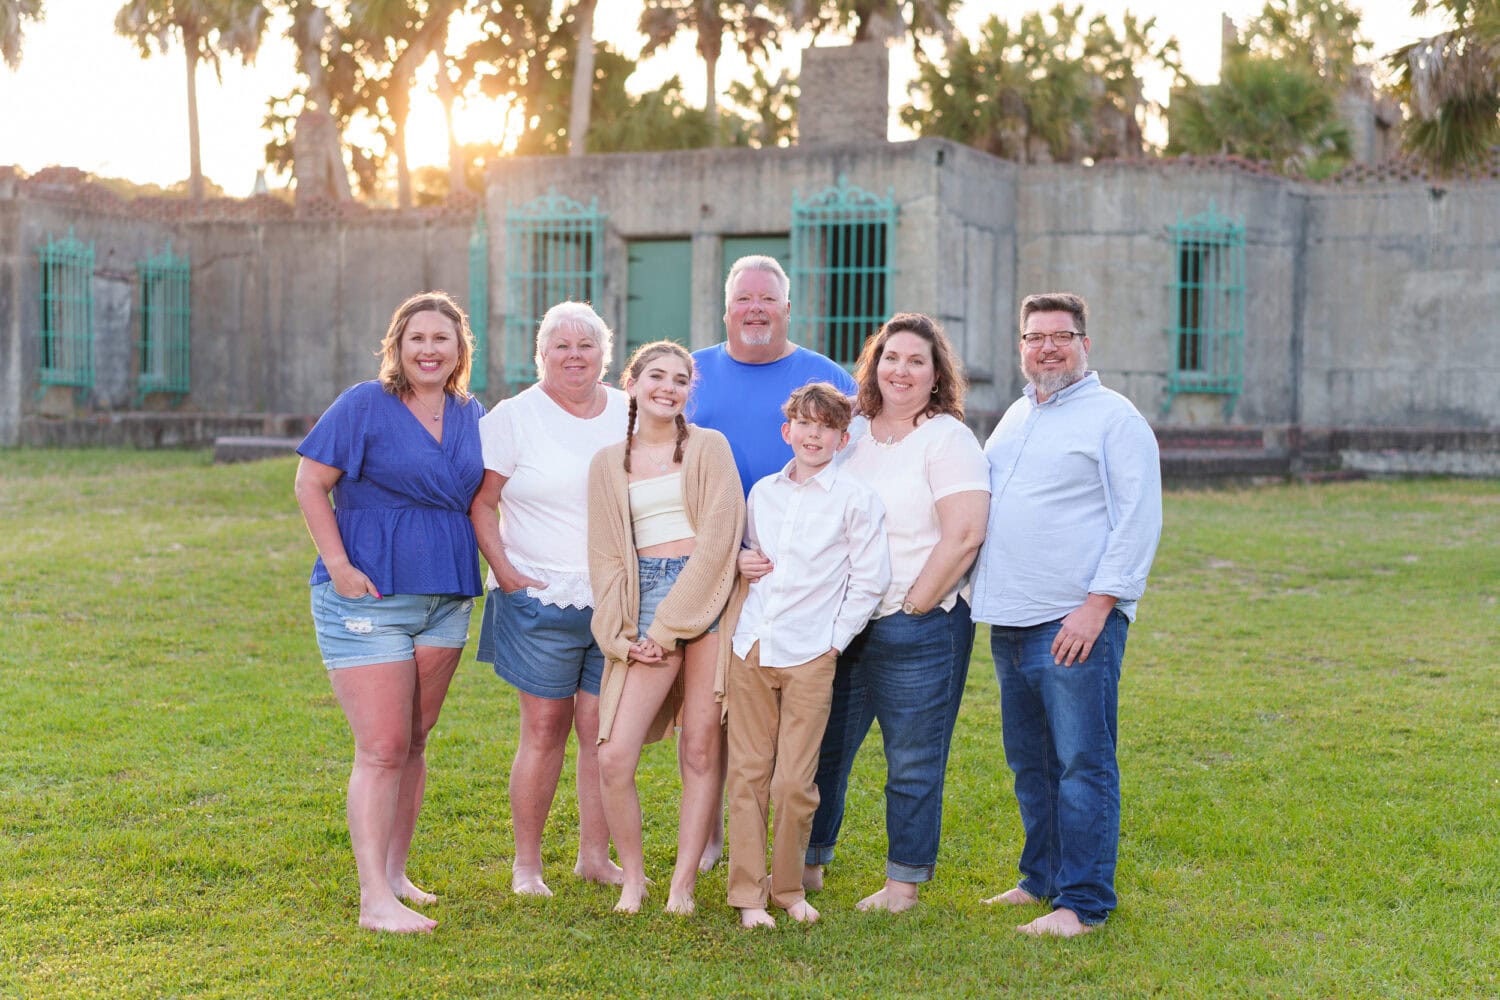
x=396 y=576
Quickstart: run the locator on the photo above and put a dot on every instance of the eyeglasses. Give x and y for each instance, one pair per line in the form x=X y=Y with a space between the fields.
x=1062 y=338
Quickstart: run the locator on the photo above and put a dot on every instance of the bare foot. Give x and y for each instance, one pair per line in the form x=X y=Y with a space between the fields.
x=403 y=888
x=812 y=877
x=1061 y=922
x=632 y=895
x=756 y=917
x=681 y=904
x=712 y=852
x=391 y=916
x=802 y=912
x=1012 y=897
x=528 y=882
x=605 y=872
x=896 y=897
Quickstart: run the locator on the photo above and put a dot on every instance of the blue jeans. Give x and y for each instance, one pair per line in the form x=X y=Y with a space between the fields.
x=908 y=671
x=1060 y=736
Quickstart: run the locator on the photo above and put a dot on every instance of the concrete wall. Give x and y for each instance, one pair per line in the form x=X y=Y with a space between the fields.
x=953 y=236
x=1103 y=232
x=1368 y=306
x=1401 y=326
x=285 y=313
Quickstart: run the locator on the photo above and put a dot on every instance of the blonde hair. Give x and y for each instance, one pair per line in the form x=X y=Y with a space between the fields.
x=393 y=376
x=580 y=316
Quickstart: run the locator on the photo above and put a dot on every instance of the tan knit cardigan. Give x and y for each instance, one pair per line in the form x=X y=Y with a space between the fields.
x=716 y=510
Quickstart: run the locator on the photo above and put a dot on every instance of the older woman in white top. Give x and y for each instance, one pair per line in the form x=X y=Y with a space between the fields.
x=908 y=667
x=536 y=627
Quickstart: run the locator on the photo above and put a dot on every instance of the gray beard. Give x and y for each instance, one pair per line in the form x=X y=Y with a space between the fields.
x=1051 y=383
x=755 y=340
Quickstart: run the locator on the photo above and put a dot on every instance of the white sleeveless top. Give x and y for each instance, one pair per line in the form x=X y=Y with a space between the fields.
x=657 y=513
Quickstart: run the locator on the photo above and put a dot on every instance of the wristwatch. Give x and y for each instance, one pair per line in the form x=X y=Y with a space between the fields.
x=908 y=608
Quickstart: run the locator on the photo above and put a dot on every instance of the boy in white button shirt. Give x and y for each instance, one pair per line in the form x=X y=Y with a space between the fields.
x=824 y=534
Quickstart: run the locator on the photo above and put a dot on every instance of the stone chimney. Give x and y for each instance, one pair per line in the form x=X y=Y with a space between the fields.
x=844 y=93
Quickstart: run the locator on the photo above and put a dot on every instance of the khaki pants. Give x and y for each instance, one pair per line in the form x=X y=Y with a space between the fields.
x=776 y=721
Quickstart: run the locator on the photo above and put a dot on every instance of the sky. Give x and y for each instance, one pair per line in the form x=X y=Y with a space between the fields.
x=83 y=97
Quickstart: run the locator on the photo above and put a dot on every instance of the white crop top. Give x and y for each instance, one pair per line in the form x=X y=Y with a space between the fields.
x=656 y=511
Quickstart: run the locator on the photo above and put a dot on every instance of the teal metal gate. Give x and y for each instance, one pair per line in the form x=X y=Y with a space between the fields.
x=842 y=250
x=165 y=313
x=67 y=314
x=553 y=249
x=1208 y=308
x=479 y=302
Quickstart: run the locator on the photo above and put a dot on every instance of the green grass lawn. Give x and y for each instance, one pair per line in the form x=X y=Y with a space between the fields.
x=1310 y=741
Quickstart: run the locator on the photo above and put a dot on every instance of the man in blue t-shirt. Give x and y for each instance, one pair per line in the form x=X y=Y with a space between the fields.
x=743 y=382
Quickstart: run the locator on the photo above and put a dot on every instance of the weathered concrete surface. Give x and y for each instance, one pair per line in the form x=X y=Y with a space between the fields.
x=285 y=313
x=1402 y=320
x=156 y=430
x=251 y=449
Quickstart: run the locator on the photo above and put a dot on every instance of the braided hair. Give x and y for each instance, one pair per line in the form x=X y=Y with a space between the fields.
x=643 y=356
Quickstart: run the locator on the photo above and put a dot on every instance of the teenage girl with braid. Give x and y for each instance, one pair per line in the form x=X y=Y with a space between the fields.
x=665 y=518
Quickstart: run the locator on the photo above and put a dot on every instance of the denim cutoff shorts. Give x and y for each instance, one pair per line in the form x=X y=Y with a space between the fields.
x=541 y=649
x=358 y=631
x=658 y=573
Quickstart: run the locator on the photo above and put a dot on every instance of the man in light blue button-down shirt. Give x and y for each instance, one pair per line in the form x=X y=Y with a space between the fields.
x=1075 y=515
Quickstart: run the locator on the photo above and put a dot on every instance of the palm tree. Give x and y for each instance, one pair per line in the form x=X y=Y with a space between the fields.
x=206 y=29
x=1451 y=85
x=401 y=34
x=876 y=20
x=1263 y=109
x=663 y=20
x=582 y=100
x=12 y=13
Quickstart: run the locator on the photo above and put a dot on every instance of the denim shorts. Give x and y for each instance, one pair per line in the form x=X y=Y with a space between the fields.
x=358 y=631
x=658 y=573
x=541 y=649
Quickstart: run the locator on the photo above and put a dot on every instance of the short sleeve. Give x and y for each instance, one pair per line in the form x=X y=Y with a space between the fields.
x=955 y=463
x=498 y=439
x=338 y=438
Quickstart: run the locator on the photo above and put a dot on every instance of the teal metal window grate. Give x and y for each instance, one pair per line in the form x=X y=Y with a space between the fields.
x=842 y=251
x=165 y=310
x=1208 y=308
x=553 y=247
x=479 y=302
x=67 y=315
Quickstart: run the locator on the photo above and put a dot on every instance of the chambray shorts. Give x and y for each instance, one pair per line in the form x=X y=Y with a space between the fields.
x=544 y=650
x=658 y=573
x=358 y=631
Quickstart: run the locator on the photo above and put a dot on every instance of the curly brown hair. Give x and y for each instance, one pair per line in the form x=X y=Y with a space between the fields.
x=949 y=385
x=393 y=377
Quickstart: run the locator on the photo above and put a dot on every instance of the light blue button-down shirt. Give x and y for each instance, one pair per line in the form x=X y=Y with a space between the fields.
x=1075 y=506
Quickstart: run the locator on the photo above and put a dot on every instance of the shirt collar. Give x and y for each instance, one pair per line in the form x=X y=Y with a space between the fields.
x=825 y=479
x=1090 y=377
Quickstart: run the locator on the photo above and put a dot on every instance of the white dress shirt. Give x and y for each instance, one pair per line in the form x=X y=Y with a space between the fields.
x=826 y=541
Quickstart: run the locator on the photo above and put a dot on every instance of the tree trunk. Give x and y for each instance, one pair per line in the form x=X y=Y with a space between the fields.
x=583 y=80
x=711 y=100
x=195 y=169
x=403 y=172
x=457 y=178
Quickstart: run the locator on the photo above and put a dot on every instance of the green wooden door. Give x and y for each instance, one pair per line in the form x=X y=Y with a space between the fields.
x=659 y=296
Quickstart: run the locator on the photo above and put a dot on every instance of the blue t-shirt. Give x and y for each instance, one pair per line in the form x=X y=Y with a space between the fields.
x=402 y=504
x=743 y=402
